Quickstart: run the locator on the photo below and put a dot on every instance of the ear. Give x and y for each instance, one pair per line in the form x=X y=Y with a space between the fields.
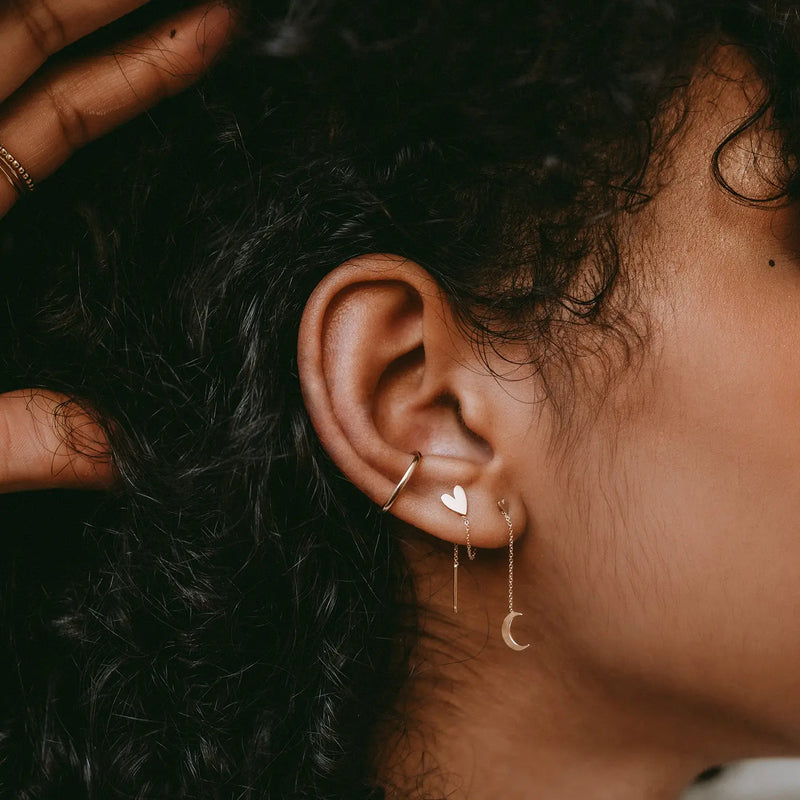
x=386 y=371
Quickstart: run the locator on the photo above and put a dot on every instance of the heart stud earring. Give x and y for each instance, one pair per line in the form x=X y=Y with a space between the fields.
x=458 y=502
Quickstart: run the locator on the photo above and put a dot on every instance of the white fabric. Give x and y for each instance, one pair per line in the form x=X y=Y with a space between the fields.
x=764 y=779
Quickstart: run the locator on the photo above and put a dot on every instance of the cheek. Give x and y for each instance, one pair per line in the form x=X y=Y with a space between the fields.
x=716 y=455
x=692 y=518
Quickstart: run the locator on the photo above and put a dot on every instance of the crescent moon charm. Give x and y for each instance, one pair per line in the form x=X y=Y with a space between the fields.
x=507 y=637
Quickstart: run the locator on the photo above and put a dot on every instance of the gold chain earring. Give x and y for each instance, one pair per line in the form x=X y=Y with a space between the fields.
x=509 y=618
x=458 y=502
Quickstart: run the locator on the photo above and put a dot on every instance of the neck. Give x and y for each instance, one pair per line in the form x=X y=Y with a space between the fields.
x=483 y=721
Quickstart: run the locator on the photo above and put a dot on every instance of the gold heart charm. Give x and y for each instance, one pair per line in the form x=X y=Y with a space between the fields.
x=457 y=501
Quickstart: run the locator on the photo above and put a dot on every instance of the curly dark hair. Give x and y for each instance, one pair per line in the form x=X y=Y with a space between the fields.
x=235 y=618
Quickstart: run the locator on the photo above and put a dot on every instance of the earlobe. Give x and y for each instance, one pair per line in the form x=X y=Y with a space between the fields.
x=385 y=372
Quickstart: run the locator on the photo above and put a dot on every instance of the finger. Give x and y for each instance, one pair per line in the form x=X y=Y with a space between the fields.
x=33 y=30
x=65 y=110
x=48 y=441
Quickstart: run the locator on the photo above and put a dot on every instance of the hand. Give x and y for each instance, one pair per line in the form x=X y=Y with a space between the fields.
x=46 y=113
x=48 y=441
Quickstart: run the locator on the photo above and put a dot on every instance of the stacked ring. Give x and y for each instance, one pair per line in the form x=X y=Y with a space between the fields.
x=15 y=173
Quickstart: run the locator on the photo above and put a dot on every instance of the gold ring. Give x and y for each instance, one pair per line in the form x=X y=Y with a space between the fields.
x=15 y=173
x=403 y=481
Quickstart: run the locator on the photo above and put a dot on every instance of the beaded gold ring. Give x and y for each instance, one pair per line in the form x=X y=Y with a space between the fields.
x=15 y=173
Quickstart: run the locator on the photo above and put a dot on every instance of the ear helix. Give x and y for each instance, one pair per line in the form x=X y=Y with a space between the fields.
x=458 y=502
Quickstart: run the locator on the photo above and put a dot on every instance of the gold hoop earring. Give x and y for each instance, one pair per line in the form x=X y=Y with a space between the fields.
x=457 y=502
x=401 y=484
x=509 y=618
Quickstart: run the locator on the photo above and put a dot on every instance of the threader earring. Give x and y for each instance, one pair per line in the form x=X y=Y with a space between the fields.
x=509 y=618
x=458 y=502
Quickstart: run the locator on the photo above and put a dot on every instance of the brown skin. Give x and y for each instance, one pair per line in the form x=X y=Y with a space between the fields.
x=46 y=114
x=656 y=563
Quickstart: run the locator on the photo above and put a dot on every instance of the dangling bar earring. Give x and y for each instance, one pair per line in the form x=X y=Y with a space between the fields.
x=506 y=629
x=458 y=502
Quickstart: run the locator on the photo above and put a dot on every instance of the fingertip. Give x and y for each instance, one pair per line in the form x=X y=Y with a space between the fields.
x=209 y=28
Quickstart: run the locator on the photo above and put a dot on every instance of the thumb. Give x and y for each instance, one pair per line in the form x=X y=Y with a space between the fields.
x=49 y=441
